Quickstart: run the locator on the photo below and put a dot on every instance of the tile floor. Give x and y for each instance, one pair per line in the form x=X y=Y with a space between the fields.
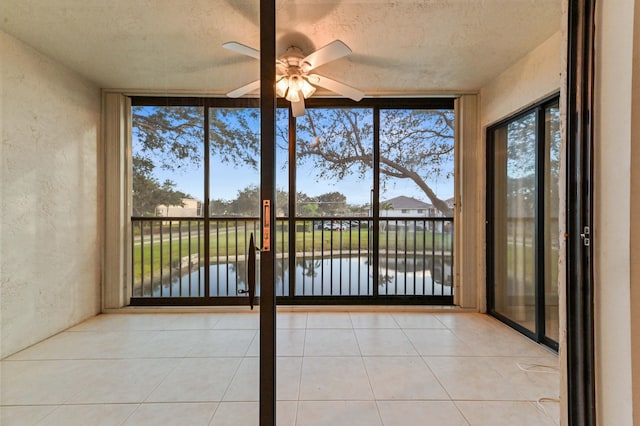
x=334 y=368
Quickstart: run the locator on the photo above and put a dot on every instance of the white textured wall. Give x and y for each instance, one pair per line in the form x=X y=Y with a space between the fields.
x=536 y=76
x=49 y=231
x=613 y=215
x=532 y=78
x=635 y=225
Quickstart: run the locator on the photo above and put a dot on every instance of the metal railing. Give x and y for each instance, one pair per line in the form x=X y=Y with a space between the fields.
x=174 y=257
x=164 y=251
x=416 y=256
x=334 y=257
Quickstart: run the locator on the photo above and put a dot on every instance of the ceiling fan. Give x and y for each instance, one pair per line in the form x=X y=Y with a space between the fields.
x=294 y=80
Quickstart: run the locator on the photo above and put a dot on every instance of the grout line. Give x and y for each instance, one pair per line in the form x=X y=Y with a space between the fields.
x=461 y=412
x=235 y=373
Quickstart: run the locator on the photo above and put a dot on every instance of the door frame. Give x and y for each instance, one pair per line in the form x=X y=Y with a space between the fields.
x=267 y=385
x=579 y=206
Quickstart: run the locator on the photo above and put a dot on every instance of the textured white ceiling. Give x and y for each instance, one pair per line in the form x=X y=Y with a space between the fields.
x=399 y=47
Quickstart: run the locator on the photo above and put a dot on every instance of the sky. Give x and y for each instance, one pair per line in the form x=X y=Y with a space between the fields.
x=227 y=180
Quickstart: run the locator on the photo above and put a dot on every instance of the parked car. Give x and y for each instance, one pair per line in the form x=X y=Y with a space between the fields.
x=335 y=225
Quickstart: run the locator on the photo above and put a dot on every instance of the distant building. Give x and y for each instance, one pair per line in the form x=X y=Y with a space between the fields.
x=190 y=207
x=403 y=206
x=409 y=207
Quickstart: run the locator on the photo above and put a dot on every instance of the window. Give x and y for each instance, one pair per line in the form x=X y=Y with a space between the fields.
x=196 y=198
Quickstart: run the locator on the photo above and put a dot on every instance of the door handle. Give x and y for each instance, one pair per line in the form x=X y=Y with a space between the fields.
x=266 y=225
x=251 y=272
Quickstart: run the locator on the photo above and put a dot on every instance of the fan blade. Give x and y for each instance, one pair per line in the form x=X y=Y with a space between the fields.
x=335 y=86
x=297 y=108
x=244 y=89
x=241 y=48
x=332 y=51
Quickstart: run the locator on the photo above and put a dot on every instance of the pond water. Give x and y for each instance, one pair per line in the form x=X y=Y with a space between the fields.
x=319 y=277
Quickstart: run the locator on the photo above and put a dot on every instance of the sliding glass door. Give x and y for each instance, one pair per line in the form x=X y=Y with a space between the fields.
x=523 y=232
x=514 y=188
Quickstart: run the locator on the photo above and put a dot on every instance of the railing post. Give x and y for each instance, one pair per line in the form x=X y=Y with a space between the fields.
x=375 y=198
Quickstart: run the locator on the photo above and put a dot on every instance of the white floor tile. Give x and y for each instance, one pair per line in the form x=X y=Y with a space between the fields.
x=503 y=413
x=290 y=342
x=196 y=379
x=531 y=378
x=372 y=320
x=121 y=381
x=333 y=368
x=87 y=345
x=420 y=413
x=42 y=382
x=24 y=415
x=437 y=342
x=286 y=412
x=384 y=342
x=331 y=342
x=417 y=320
x=223 y=343
x=334 y=378
x=148 y=321
x=241 y=321
x=334 y=413
x=467 y=321
x=291 y=320
x=170 y=414
x=499 y=340
x=236 y=414
x=289 y=374
x=245 y=385
x=92 y=414
x=403 y=378
x=470 y=378
x=329 y=320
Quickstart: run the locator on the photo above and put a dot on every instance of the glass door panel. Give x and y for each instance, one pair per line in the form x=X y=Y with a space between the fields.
x=234 y=188
x=284 y=223
x=514 y=189
x=416 y=202
x=551 y=212
x=167 y=201
x=524 y=233
x=334 y=180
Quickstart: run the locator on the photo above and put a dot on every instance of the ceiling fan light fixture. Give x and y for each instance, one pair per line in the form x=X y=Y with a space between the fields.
x=307 y=89
x=293 y=95
x=282 y=86
x=293 y=79
x=295 y=82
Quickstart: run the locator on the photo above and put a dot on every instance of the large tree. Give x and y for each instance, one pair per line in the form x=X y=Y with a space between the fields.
x=165 y=138
x=332 y=203
x=148 y=192
x=416 y=145
x=247 y=202
x=306 y=205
